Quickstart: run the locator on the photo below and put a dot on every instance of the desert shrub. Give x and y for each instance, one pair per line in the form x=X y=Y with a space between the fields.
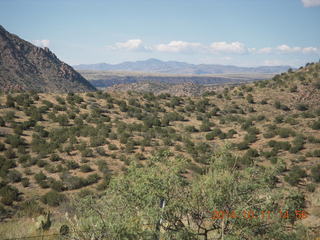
x=264 y=102
x=302 y=107
x=230 y=133
x=273 y=160
x=291 y=121
x=55 y=158
x=72 y=182
x=279 y=119
x=307 y=115
x=247 y=124
x=85 y=168
x=9 y=153
x=9 y=194
x=250 y=98
x=285 y=132
x=246 y=160
x=293 y=89
x=277 y=105
x=41 y=163
x=101 y=151
x=10 y=102
x=315 y=173
x=252 y=153
x=25 y=182
x=311 y=187
x=112 y=147
x=205 y=126
x=103 y=166
x=269 y=134
x=316 y=125
x=14 y=176
x=316 y=153
x=2 y=147
x=39 y=177
x=190 y=129
x=53 y=198
x=250 y=138
x=2 y=122
x=92 y=178
x=295 y=175
x=56 y=185
x=97 y=141
x=285 y=108
x=71 y=164
x=279 y=145
x=14 y=140
x=62 y=119
x=243 y=145
x=316 y=84
x=87 y=152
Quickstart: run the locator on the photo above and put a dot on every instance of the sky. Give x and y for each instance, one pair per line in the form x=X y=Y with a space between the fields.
x=229 y=32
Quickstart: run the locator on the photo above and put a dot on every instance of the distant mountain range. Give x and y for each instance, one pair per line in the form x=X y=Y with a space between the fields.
x=157 y=66
x=24 y=66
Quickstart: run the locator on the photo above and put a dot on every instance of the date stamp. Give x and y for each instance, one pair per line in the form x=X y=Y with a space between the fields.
x=252 y=214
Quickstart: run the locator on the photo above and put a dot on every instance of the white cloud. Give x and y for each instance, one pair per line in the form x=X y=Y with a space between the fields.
x=287 y=49
x=310 y=50
x=265 y=50
x=221 y=48
x=41 y=43
x=178 y=46
x=311 y=3
x=233 y=47
x=132 y=44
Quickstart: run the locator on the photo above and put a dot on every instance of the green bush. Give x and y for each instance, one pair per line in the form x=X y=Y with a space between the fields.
x=316 y=125
x=55 y=158
x=315 y=173
x=14 y=176
x=85 y=168
x=316 y=153
x=112 y=147
x=25 y=182
x=71 y=164
x=9 y=194
x=243 y=145
x=294 y=176
x=302 y=107
x=190 y=129
x=39 y=177
x=2 y=122
x=311 y=187
x=2 y=147
x=53 y=198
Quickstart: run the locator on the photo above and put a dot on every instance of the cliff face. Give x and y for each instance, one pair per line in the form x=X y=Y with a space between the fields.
x=24 y=66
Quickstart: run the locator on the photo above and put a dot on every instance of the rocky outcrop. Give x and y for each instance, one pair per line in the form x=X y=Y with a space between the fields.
x=24 y=66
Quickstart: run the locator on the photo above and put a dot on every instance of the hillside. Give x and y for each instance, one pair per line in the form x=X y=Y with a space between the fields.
x=24 y=66
x=174 y=67
x=92 y=148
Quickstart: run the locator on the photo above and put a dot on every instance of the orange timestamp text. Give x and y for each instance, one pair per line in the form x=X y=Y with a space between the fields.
x=252 y=214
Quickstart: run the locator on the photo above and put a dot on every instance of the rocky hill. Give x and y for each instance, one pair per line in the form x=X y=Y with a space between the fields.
x=24 y=66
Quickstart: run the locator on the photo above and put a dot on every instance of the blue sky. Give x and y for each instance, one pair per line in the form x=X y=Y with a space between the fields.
x=237 y=32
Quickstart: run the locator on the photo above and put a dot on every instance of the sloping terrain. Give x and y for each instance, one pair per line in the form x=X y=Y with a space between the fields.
x=55 y=146
x=24 y=66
